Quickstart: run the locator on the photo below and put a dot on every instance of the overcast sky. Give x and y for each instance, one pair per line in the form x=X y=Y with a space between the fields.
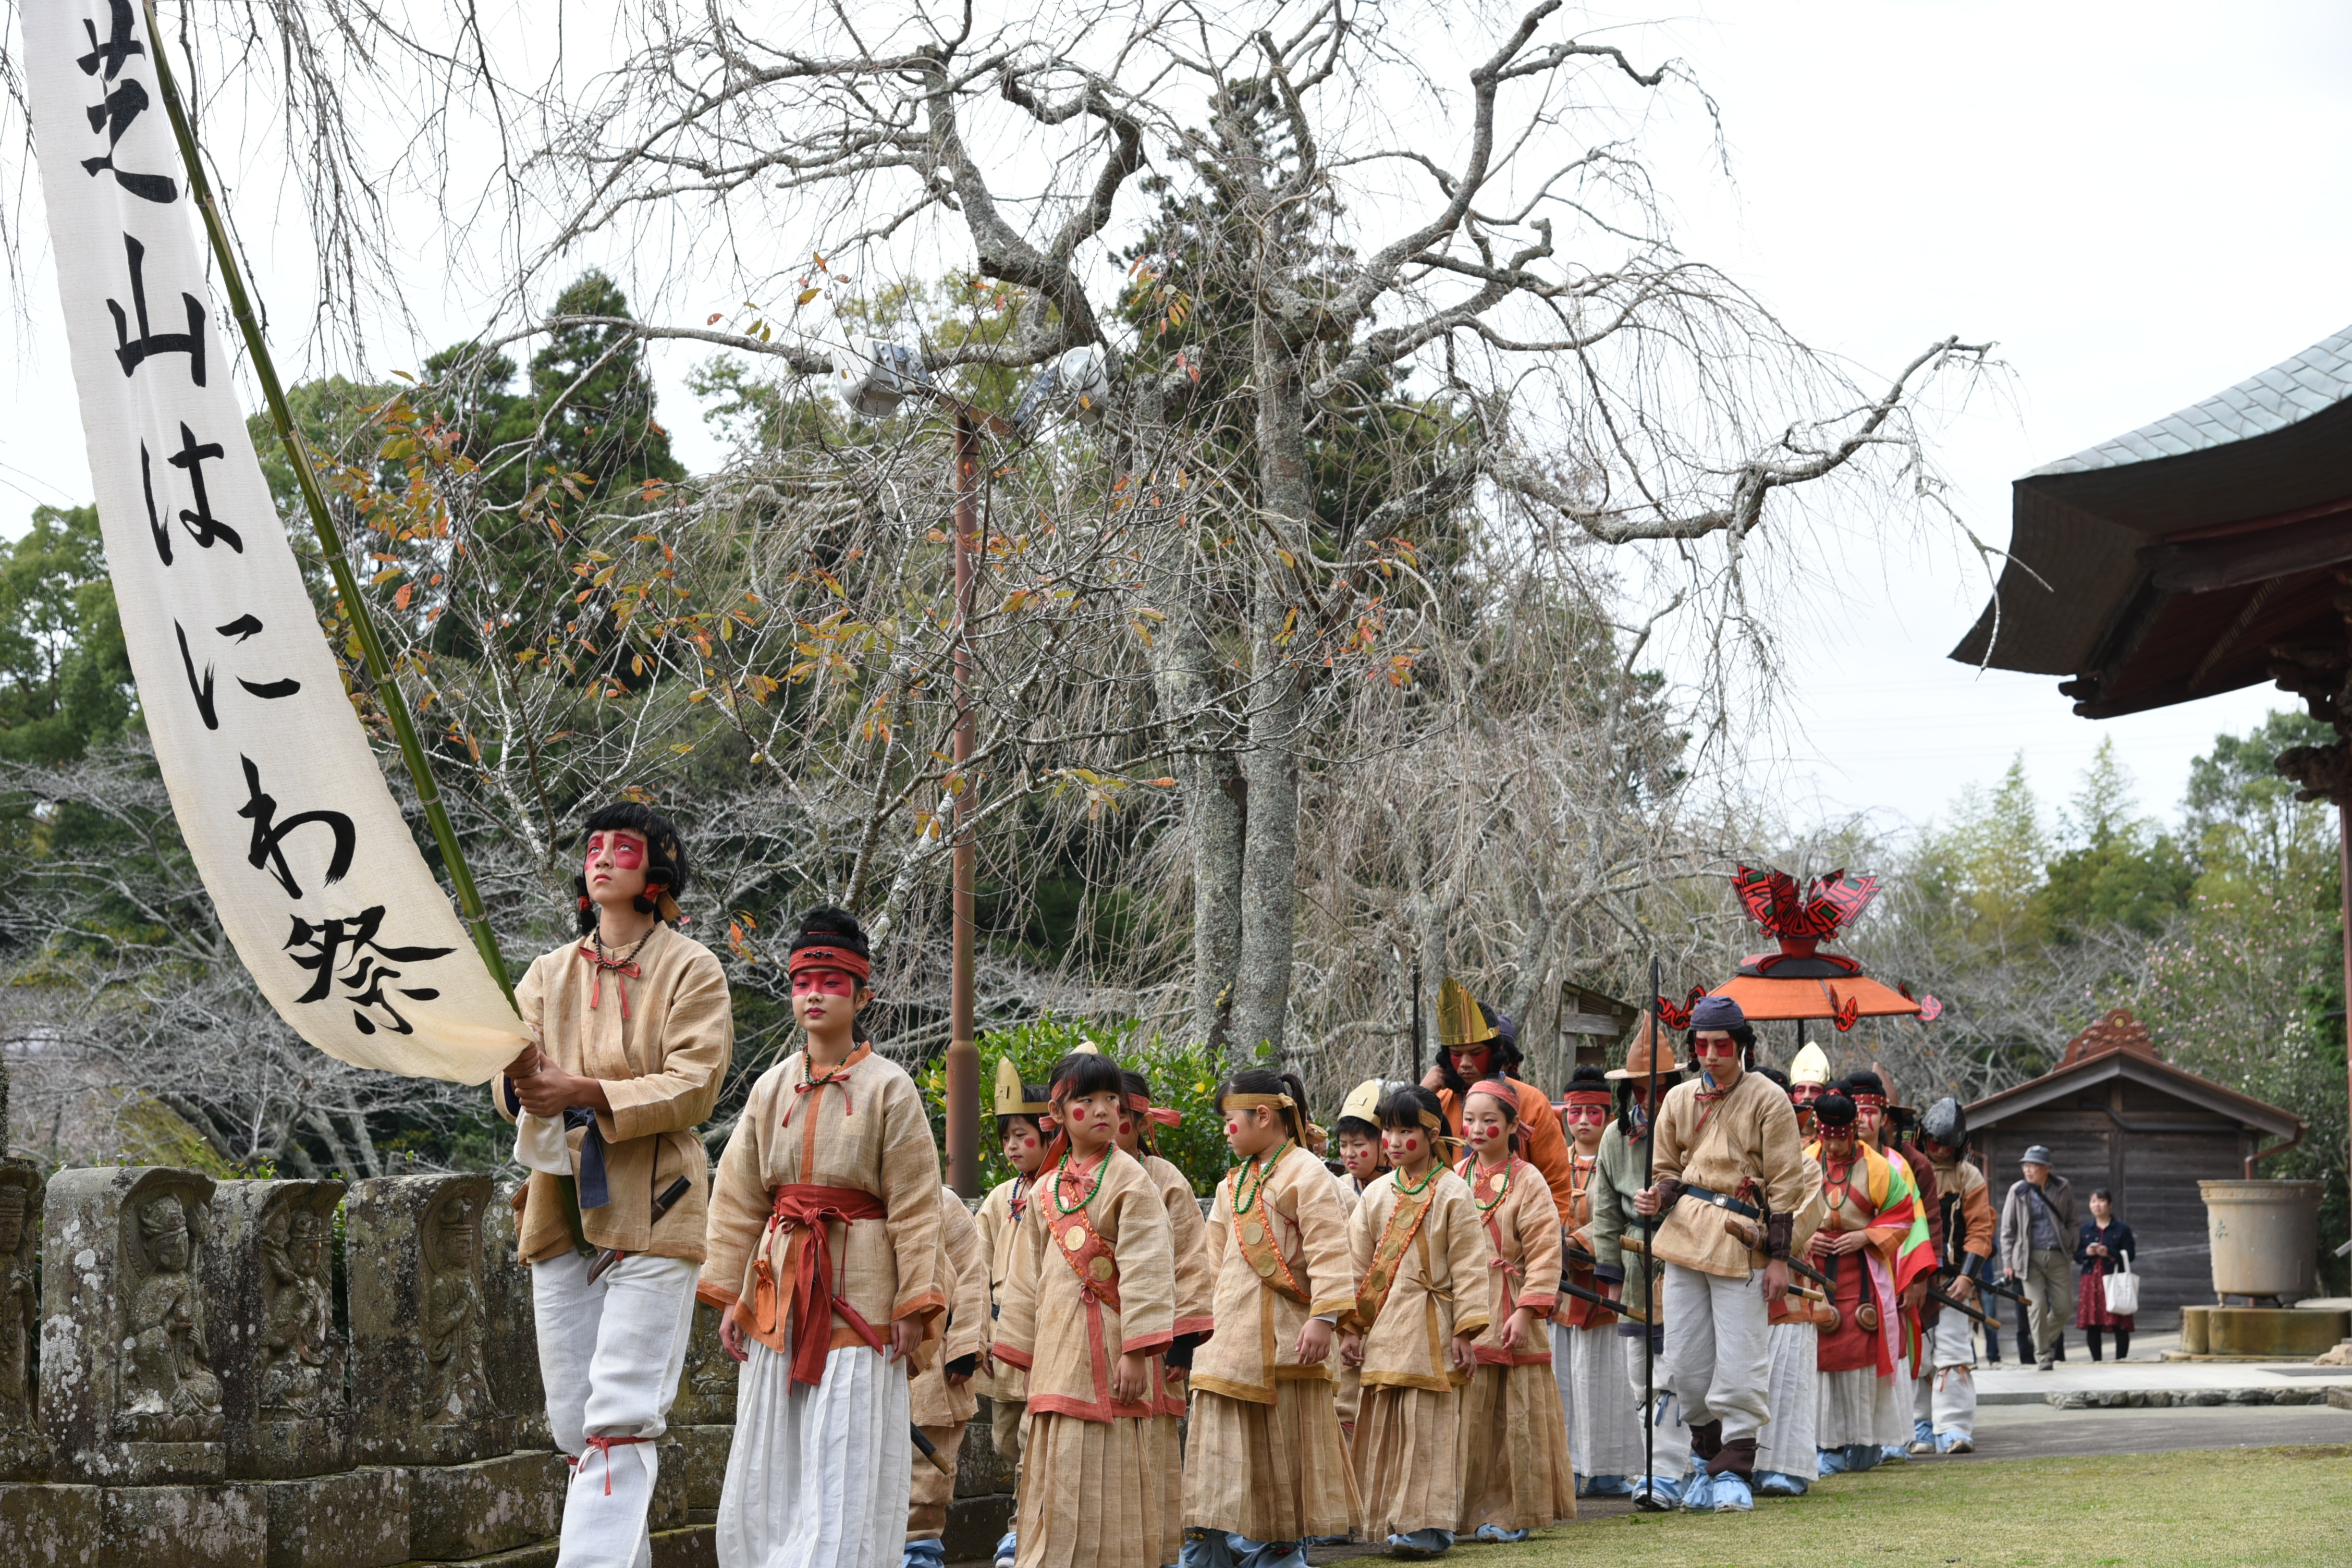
x=2140 y=204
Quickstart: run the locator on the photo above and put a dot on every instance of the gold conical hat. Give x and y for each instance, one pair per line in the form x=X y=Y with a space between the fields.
x=1363 y=1102
x=1459 y=1021
x=1012 y=1098
x=1809 y=1066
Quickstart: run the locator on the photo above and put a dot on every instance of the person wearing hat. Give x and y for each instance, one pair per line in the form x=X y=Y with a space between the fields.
x=1727 y=1153
x=633 y=1030
x=2037 y=1222
x=1876 y=1119
x=1021 y=1109
x=1809 y=1079
x=1357 y=1132
x=1871 y=1247
x=1614 y=1236
x=1474 y=1042
x=1588 y=1353
x=1947 y=1407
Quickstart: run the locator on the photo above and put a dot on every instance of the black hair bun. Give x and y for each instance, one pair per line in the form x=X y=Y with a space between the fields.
x=829 y=925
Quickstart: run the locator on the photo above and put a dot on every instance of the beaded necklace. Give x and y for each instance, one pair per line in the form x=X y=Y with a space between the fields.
x=1500 y=1193
x=1427 y=1176
x=1262 y=1168
x=1063 y=1169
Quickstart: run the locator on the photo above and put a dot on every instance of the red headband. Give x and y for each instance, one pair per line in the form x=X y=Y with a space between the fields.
x=1495 y=1088
x=1141 y=1105
x=839 y=958
x=1875 y=1101
x=1600 y=1097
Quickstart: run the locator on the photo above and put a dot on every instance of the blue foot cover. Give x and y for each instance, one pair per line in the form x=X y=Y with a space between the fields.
x=1894 y=1453
x=1730 y=1494
x=1007 y=1549
x=1602 y=1486
x=925 y=1554
x=1862 y=1456
x=1495 y=1533
x=1780 y=1483
x=1698 y=1489
x=1955 y=1443
x=1830 y=1461
x=1421 y=1543
x=1666 y=1489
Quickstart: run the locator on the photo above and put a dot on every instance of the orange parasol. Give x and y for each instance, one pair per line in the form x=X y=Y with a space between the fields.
x=1799 y=980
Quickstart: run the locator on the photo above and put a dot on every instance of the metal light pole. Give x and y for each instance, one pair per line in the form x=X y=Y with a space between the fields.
x=963 y=1050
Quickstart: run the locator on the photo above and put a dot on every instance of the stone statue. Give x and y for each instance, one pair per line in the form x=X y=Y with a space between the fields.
x=456 y=1387
x=298 y=1317
x=170 y=1394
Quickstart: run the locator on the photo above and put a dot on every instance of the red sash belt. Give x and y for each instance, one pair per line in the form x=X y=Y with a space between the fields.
x=807 y=1206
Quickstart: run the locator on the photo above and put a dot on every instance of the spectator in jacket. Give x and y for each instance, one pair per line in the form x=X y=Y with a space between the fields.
x=2037 y=1219
x=2100 y=1248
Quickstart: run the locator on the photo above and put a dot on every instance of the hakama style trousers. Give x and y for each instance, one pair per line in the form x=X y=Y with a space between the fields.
x=1271 y=1473
x=1406 y=1445
x=1668 y=1442
x=1513 y=1462
x=1946 y=1397
x=817 y=1477
x=1088 y=1496
x=1718 y=1358
x=1892 y=1429
x=610 y=1354
x=1787 y=1446
x=929 y=1489
x=1604 y=1433
x=1846 y=1409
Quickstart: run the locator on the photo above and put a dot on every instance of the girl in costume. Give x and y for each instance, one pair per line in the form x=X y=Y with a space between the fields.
x=1267 y=1467
x=1002 y=1216
x=942 y=1400
x=1194 y=1291
x=825 y=1252
x=1588 y=1353
x=1090 y=1305
x=1356 y=1131
x=1421 y=1303
x=1514 y=1463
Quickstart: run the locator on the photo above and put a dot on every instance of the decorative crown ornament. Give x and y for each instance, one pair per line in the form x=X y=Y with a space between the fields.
x=1459 y=1021
x=1363 y=1102
x=1809 y=1066
x=1011 y=1097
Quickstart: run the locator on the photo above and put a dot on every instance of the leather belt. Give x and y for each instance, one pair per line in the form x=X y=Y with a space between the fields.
x=1730 y=1204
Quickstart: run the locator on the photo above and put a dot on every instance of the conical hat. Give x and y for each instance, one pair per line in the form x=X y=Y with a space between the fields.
x=1637 y=1053
x=1459 y=1020
x=1012 y=1098
x=1809 y=1066
x=1363 y=1102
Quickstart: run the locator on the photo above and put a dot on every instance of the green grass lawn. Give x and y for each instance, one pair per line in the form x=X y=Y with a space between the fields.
x=2229 y=1508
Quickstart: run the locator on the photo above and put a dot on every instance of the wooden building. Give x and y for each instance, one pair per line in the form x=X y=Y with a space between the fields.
x=2116 y=1114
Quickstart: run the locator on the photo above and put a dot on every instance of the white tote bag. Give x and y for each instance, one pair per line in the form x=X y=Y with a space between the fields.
x=2122 y=1288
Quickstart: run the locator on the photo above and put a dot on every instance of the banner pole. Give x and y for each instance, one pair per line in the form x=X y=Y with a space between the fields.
x=330 y=543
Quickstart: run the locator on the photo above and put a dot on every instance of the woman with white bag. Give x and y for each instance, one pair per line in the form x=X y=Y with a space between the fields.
x=2110 y=1290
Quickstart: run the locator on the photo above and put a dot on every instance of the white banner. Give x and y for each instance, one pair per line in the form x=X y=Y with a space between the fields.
x=304 y=852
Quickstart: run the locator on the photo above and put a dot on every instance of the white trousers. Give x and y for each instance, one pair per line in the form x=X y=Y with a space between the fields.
x=1893 y=1423
x=1947 y=1397
x=610 y=1354
x=1670 y=1447
x=1787 y=1445
x=1845 y=1408
x=818 y=1477
x=1718 y=1357
x=1604 y=1434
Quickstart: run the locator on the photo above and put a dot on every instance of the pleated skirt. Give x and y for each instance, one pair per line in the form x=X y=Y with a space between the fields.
x=1088 y=1496
x=1894 y=1407
x=1408 y=1442
x=1787 y=1444
x=1513 y=1455
x=1273 y=1472
x=1604 y=1423
x=817 y=1478
x=1845 y=1407
x=1166 y=1437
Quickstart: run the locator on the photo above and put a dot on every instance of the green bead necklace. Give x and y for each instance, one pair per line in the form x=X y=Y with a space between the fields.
x=1063 y=1169
x=1244 y=1201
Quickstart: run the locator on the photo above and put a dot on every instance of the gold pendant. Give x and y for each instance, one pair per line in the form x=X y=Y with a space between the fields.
x=1101 y=1268
x=1253 y=1234
x=1073 y=1238
x=1264 y=1266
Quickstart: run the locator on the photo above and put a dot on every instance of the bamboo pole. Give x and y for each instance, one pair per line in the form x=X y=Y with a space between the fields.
x=963 y=1048
x=330 y=543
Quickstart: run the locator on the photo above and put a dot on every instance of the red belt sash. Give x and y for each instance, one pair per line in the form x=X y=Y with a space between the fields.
x=806 y=1206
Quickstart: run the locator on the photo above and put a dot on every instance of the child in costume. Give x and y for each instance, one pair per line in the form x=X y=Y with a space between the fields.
x=1194 y=1291
x=1267 y=1465
x=1961 y=1191
x=1421 y=1303
x=1090 y=1305
x=1587 y=1355
x=1002 y=1216
x=1357 y=1132
x=633 y=1031
x=825 y=1252
x=1517 y=1475
x=941 y=1399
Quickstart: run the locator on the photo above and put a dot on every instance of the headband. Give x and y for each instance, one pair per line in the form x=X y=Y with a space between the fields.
x=1600 y=1097
x=1252 y=1101
x=1877 y=1101
x=1141 y=1105
x=825 y=957
x=1495 y=1088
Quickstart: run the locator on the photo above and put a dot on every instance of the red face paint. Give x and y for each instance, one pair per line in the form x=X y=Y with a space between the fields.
x=824 y=982
x=1472 y=1063
x=1077 y=1113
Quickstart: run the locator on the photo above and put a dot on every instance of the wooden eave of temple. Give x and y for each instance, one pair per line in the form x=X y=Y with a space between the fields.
x=2203 y=553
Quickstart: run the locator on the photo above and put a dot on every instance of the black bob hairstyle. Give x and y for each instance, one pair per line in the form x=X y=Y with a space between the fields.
x=666 y=868
x=1082 y=1073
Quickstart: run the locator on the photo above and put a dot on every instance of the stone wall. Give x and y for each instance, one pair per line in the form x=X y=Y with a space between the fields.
x=176 y=1389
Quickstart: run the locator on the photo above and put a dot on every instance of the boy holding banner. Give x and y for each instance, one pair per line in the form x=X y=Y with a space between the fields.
x=634 y=1032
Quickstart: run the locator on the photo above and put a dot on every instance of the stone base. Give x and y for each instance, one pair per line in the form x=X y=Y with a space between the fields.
x=2271 y=1332
x=462 y=1512
x=694 y=1546
x=981 y=1470
x=25 y=1457
x=975 y=1524
x=696 y=1455
x=286 y=1451
x=49 y=1527
x=142 y=1464
x=357 y=1520
x=460 y=1443
x=184 y=1527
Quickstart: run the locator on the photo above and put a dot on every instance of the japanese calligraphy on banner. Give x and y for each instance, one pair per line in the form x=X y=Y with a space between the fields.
x=301 y=846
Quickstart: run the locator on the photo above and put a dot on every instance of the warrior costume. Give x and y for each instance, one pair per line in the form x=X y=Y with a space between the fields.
x=1947 y=1401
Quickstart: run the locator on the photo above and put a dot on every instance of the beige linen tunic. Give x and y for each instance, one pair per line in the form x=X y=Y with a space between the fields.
x=965 y=1280
x=662 y=1066
x=1521 y=1256
x=1003 y=1215
x=1067 y=1337
x=1750 y=1134
x=1256 y=1343
x=1439 y=1288
x=866 y=1129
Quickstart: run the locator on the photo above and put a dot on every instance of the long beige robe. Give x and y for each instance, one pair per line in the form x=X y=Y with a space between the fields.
x=1516 y=1467
x=1722 y=1143
x=1348 y=1381
x=1195 y=1298
x=1001 y=1214
x=1089 y=1497
x=1407 y=1427
x=939 y=1408
x=866 y=1129
x=1265 y=1454
x=661 y=1042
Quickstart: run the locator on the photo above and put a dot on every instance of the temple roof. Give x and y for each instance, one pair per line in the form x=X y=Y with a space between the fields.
x=2312 y=381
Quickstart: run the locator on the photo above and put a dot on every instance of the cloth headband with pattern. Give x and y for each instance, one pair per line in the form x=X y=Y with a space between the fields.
x=839 y=958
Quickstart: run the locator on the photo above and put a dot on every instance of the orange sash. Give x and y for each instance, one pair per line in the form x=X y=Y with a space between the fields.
x=1081 y=1245
x=1388 y=1258
x=807 y=1206
x=1253 y=1234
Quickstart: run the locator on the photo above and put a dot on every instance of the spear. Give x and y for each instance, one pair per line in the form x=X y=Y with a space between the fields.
x=1649 y=1500
x=330 y=547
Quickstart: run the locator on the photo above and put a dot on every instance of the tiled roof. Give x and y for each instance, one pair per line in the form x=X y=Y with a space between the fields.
x=2317 y=378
